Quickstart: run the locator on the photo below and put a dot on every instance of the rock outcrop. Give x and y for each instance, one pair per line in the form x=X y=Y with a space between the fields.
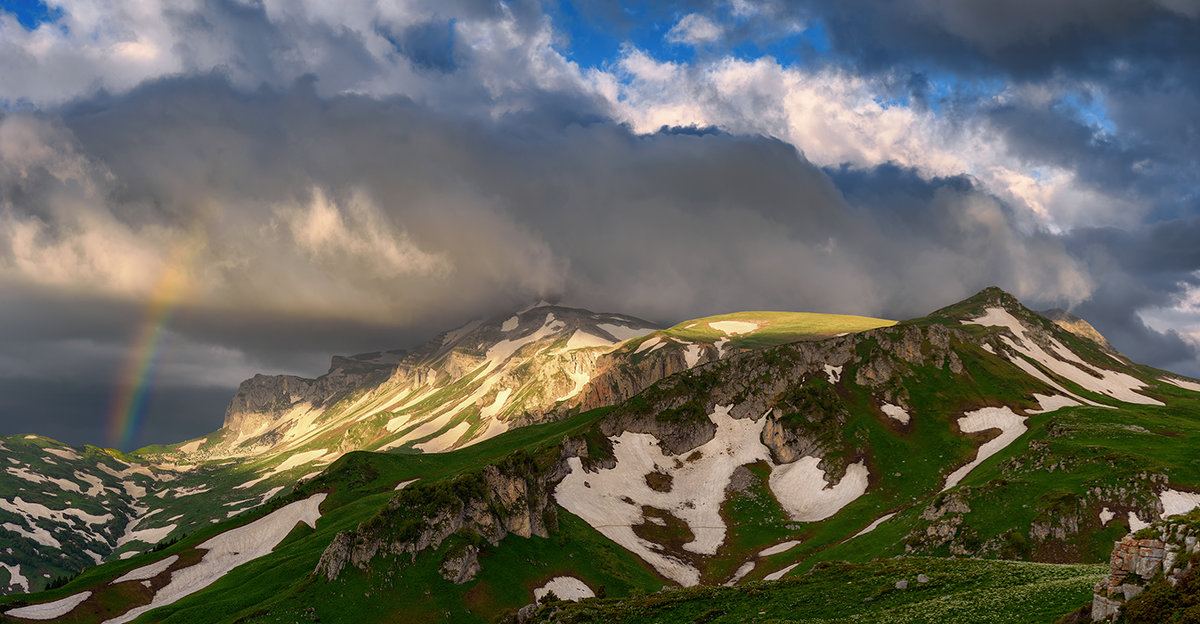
x=511 y=497
x=1165 y=552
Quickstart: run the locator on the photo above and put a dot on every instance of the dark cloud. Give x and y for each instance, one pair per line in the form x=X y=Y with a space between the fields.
x=317 y=225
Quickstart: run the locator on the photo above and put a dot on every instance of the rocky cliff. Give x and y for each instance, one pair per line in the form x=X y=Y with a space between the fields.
x=1152 y=575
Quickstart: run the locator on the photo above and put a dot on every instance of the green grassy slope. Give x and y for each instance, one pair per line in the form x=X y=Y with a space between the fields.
x=1038 y=499
x=957 y=591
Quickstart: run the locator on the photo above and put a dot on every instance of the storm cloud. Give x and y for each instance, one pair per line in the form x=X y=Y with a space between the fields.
x=290 y=183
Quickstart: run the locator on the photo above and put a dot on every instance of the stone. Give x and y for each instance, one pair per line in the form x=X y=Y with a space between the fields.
x=921 y=578
x=901 y=584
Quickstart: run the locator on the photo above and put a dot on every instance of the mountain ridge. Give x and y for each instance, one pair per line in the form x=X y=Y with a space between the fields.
x=982 y=430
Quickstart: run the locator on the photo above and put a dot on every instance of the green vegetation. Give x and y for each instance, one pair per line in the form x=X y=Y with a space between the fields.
x=957 y=590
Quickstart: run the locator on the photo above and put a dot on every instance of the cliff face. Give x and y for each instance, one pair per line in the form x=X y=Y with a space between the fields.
x=476 y=509
x=1151 y=573
x=264 y=399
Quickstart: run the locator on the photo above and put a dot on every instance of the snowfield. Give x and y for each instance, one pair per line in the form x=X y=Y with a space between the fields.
x=1065 y=363
x=874 y=525
x=50 y=610
x=147 y=571
x=775 y=576
x=802 y=491
x=566 y=588
x=1183 y=383
x=611 y=500
x=230 y=550
x=1176 y=502
x=64 y=453
x=624 y=332
x=1011 y=427
x=15 y=578
x=1050 y=403
x=895 y=412
x=778 y=548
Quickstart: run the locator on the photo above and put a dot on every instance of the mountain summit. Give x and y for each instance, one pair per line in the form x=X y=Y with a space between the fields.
x=718 y=451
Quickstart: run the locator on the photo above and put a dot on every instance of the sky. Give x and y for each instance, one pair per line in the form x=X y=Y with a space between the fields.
x=195 y=191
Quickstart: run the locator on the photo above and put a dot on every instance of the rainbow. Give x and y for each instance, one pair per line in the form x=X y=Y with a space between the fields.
x=133 y=386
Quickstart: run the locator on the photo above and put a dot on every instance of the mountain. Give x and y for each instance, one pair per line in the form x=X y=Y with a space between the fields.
x=64 y=508
x=785 y=468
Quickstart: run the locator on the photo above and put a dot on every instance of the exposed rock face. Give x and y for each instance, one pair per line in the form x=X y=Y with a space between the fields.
x=263 y=399
x=945 y=515
x=462 y=566
x=524 y=355
x=615 y=379
x=1079 y=327
x=508 y=498
x=1137 y=561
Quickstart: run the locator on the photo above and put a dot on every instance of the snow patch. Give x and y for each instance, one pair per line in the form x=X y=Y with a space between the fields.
x=149 y=536
x=566 y=588
x=403 y=484
x=510 y=324
x=63 y=453
x=129 y=554
x=1105 y=515
x=191 y=447
x=97 y=485
x=1011 y=427
x=895 y=412
x=1065 y=363
x=874 y=525
x=1051 y=402
x=147 y=571
x=490 y=411
x=15 y=578
x=611 y=499
x=720 y=345
x=1176 y=502
x=133 y=489
x=583 y=340
x=740 y=573
x=269 y=493
x=24 y=473
x=230 y=550
x=648 y=344
x=446 y=441
x=50 y=610
x=775 y=576
x=802 y=491
x=1183 y=383
x=691 y=354
x=623 y=332
x=1135 y=523
x=299 y=459
x=36 y=510
x=191 y=491
x=37 y=534
x=580 y=380
x=252 y=482
x=834 y=373
x=778 y=548
x=733 y=328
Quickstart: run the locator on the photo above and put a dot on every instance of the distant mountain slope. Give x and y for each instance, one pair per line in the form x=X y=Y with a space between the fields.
x=464 y=386
x=981 y=430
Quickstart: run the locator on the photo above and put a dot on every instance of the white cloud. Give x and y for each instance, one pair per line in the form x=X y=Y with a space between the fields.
x=836 y=117
x=695 y=30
